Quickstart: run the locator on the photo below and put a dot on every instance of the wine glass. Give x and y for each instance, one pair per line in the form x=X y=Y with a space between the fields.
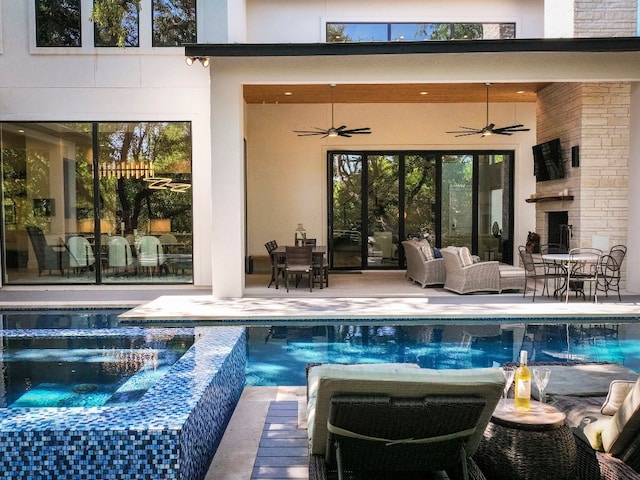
x=509 y=373
x=541 y=377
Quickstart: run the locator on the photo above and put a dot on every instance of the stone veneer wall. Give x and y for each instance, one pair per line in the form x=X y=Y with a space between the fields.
x=605 y=18
x=596 y=117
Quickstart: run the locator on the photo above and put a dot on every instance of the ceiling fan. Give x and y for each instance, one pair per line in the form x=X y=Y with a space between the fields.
x=490 y=128
x=341 y=131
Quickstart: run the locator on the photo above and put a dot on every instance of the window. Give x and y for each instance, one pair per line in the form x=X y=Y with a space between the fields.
x=377 y=199
x=96 y=202
x=399 y=32
x=116 y=24
x=58 y=23
x=174 y=22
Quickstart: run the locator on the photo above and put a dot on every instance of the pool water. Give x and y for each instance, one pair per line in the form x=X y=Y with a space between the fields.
x=82 y=360
x=278 y=355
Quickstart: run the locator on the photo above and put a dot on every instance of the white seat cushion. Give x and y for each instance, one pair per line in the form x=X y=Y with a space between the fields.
x=395 y=380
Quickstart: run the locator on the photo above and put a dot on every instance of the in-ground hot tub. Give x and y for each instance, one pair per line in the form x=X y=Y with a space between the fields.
x=171 y=432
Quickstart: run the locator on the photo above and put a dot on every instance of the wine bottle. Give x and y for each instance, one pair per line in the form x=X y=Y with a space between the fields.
x=522 y=394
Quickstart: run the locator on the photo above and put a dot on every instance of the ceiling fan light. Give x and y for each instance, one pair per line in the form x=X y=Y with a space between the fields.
x=333 y=132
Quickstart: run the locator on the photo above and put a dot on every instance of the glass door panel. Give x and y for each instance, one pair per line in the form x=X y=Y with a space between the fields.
x=46 y=180
x=457 y=199
x=494 y=214
x=420 y=197
x=346 y=211
x=382 y=210
x=144 y=172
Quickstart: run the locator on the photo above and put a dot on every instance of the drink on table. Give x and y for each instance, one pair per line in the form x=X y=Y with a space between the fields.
x=522 y=393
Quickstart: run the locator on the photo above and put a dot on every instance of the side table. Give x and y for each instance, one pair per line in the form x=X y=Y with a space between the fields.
x=527 y=445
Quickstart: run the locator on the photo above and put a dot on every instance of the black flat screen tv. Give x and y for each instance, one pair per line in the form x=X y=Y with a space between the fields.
x=547 y=161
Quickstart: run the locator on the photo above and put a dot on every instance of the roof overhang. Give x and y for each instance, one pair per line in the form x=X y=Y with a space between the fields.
x=608 y=44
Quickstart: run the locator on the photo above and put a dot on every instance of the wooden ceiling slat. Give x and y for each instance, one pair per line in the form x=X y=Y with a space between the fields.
x=394 y=93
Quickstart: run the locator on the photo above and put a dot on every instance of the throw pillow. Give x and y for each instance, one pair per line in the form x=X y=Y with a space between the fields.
x=618 y=390
x=425 y=248
x=437 y=253
x=465 y=256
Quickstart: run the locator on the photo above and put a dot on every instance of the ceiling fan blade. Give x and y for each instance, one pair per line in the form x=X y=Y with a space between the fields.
x=465 y=130
x=361 y=130
x=510 y=127
x=479 y=132
x=306 y=133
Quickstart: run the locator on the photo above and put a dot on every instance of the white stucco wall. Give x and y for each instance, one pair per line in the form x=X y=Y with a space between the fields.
x=287 y=21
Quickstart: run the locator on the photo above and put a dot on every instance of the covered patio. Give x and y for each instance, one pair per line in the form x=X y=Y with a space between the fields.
x=248 y=163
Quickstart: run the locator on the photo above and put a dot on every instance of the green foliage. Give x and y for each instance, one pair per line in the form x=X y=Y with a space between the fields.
x=174 y=22
x=453 y=31
x=335 y=33
x=112 y=17
x=58 y=23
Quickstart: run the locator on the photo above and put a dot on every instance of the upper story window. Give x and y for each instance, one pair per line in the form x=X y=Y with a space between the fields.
x=174 y=22
x=398 y=32
x=116 y=24
x=58 y=23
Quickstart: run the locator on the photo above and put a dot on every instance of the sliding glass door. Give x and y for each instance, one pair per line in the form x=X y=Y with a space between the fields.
x=96 y=202
x=378 y=199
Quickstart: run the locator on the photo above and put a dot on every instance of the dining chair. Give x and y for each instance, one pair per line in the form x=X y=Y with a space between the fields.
x=298 y=262
x=531 y=273
x=80 y=253
x=553 y=270
x=277 y=262
x=609 y=275
x=320 y=269
x=582 y=267
x=119 y=254
x=151 y=254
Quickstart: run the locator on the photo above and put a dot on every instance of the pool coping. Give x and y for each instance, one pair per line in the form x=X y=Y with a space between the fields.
x=208 y=310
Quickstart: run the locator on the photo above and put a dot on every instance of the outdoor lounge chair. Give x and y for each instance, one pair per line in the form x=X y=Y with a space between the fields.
x=397 y=421
x=605 y=423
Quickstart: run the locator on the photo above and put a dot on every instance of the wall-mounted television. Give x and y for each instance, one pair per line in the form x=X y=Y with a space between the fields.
x=547 y=161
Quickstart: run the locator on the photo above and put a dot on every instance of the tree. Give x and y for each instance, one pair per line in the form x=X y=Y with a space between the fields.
x=58 y=23
x=117 y=22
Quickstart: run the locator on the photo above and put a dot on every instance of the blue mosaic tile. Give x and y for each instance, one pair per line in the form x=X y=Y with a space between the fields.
x=172 y=432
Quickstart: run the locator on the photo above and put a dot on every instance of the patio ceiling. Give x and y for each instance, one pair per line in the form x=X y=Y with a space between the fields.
x=394 y=93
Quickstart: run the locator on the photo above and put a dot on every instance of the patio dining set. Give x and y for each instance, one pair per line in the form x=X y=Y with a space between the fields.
x=293 y=262
x=564 y=271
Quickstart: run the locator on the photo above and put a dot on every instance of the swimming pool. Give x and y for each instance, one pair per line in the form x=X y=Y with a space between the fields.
x=278 y=355
x=170 y=431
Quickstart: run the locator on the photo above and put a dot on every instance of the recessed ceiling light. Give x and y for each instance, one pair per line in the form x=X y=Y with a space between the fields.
x=520 y=91
x=424 y=93
x=288 y=93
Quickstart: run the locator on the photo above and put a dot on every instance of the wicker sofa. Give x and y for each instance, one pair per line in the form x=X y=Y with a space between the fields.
x=465 y=274
x=422 y=265
x=607 y=443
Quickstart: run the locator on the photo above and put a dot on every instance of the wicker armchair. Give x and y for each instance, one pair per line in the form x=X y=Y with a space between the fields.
x=469 y=277
x=419 y=269
x=397 y=422
x=579 y=390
